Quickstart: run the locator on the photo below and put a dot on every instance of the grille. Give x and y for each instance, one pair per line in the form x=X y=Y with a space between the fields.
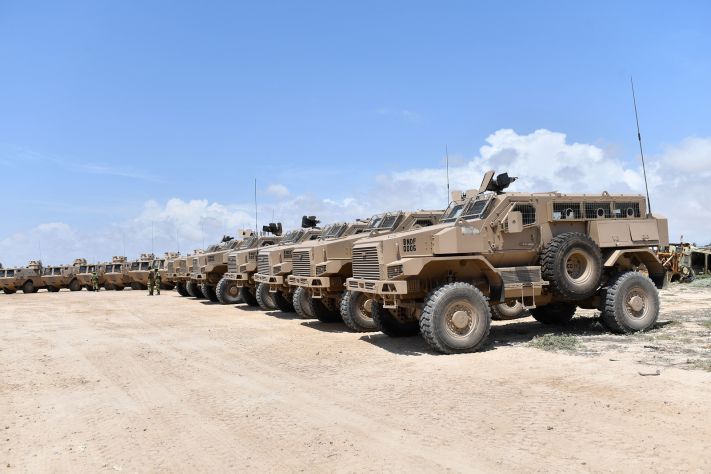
x=597 y=210
x=566 y=210
x=302 y=262
x=365 y=263
x=232 y=264
x=263 y=267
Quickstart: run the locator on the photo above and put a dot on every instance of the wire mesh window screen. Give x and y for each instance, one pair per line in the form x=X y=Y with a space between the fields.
x=627 y=210
x=528 y=213
x=598 y=210
x=566 y=210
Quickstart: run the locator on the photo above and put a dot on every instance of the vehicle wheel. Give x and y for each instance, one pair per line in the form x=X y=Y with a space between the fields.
x=181 y=289
x=10 y=292
x=167 y=286
x=456 y=318
x=28 y=287
x=356 y=313
x=108 y=286
x=194 y=290
x=572 y=263
x=264 y=298
x=117 y=287
x=74 y=285
x=283 y=303
x=228 y=292
x=687 y=275
x=631 y=304
x=326 y=310
x=302 y=303
x=248 y=297
x=209 y=292
x=508 y=310
x=394 y=323
x=52 y=289
x=554 y=313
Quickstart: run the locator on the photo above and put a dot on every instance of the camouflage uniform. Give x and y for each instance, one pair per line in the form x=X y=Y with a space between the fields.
x=151 y=282
x=157 y=281
x=94 y=281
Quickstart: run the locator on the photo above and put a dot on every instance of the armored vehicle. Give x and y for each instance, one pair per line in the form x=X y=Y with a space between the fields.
x=274 y=264
x=28 y=279
x=138 y=271
x=116 y=275
x=242 y=265
x=178 y=273
x=322 y=266
x=86 y=270
x=165 y=268
x=183 y=275
x=209 y=267
x=55 y=278
x=552 y=252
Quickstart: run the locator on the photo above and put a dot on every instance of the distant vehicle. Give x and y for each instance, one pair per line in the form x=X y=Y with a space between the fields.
x=27 y=279
x=116 y=274
x=55 y=278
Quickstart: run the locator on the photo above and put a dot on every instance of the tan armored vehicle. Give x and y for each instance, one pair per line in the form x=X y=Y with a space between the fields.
x=165 y=267
x=242 y=265
x=138 y=271
x=209 y=267
x=85 y=273
x=55 y=278
x=274 y=265
x=552 y=252
x=182 y=275
x=116 y=275
x=28 y=279
x=321 y=267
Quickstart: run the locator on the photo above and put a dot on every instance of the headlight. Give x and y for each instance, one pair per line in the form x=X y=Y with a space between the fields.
x=320 y=269
x=394 y=271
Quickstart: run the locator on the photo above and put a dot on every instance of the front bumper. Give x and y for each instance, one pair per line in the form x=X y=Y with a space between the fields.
x=317 y=282
x=269 y=279
x=383 y=287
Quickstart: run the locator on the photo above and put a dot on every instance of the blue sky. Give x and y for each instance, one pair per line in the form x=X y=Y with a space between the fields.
x=110 y=110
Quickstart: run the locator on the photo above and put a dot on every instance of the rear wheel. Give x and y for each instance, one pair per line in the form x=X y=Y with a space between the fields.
x=137 y=286
x=248 y=296
x=394 y=323
x=326 y=310
x=356 y=311
x=264 y=298
x=108 y=286
x=52 y=289
x=9 y=292
x=228 y=292
x=508 y=310
x=631 y=303
x=193 y=290
x=554 y=313
x=456 y=318
x=180 y=287
x=209 y=292
x=117 y=287
x=572 y=263
x=29 y=287
x=74 y=285
x=302 y=303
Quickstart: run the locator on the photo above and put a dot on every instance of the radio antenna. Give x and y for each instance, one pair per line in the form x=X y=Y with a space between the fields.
x=446 y=152
x=256 y=210
x=641 y=153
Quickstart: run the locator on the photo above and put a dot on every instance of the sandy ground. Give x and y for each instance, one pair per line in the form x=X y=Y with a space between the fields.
x=124 y=382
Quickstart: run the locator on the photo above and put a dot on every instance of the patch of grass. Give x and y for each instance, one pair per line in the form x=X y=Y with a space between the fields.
x=703 y=364
x=706 y=324
x=555 y=342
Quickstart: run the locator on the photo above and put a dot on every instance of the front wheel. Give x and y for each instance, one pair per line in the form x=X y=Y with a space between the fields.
x=395 y=323
x=264 y=298
x=209 y=292
x=227 y=292
x=283 y=302
x=248 y=297
x=74 y=285
x=326 y=310
x=356 y=311
x=193 y=290
x=631 y=304
x=456 y=319
x=180 y=287
x=28 y=287
x=302 y=303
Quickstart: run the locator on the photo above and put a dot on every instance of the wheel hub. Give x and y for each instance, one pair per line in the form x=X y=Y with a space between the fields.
x=461 y=319
x=368 y=305
x=636 y=303
x=233 y=290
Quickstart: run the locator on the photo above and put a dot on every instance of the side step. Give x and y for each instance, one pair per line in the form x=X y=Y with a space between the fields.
x=523 y=282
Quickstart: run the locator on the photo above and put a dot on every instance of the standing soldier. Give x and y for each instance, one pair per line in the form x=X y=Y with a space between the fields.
x=94 y=281
x=157 y=281
x=151 y=281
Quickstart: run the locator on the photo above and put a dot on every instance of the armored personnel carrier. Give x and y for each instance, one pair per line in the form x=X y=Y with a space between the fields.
x=55 y=278
x=85 y=273
x=138 y=271
x=182 y=275
x=552 y=252
x=209 y=267
x=166 y=266
x=274 y=264
x=116 y=275
x=242 y=265
x=28 y=279
x=321 y=267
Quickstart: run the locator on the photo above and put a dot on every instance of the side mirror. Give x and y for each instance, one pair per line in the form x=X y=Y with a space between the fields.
x=514 y=222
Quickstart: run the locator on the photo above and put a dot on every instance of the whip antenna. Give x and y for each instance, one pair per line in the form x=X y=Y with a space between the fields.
x=641 y=153
x=256 y=210
x=446 y=152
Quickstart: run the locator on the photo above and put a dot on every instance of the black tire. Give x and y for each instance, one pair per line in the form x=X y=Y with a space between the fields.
x=74 y=285
x=52 y=289
x=180 y=287
x=283 y=303
x=28 y=287
x=228 y=292
x=326 y=310
x=118 y=287
x=622 y=313
x=194 y=290
x=354 y=311
x=456 y=318
x=136 y=286
x=508 y=310
x=554 y=313
x=302 y=303
x=394 y=326
x=10 y=292
x=248 y=297
x=572 y=263
x=264 y=298
x=209 y=292
x=108 y=286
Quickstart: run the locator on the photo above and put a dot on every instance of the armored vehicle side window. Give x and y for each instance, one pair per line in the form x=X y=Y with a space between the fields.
x=597 y=210
x=145 y=266
x=10 y=273
x=293 y=236
x=528 y=213
x=390 y=221
x=566 y=210
x=374 y=222
x=453 y=213
x=626 y=210
x=92 y=268
x=82 y=269
x=57 y=271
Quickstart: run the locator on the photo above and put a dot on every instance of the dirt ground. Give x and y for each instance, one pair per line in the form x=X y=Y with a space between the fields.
x=123 y=382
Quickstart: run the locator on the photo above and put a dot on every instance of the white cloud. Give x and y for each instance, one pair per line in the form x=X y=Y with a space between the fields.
x=543 y=160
